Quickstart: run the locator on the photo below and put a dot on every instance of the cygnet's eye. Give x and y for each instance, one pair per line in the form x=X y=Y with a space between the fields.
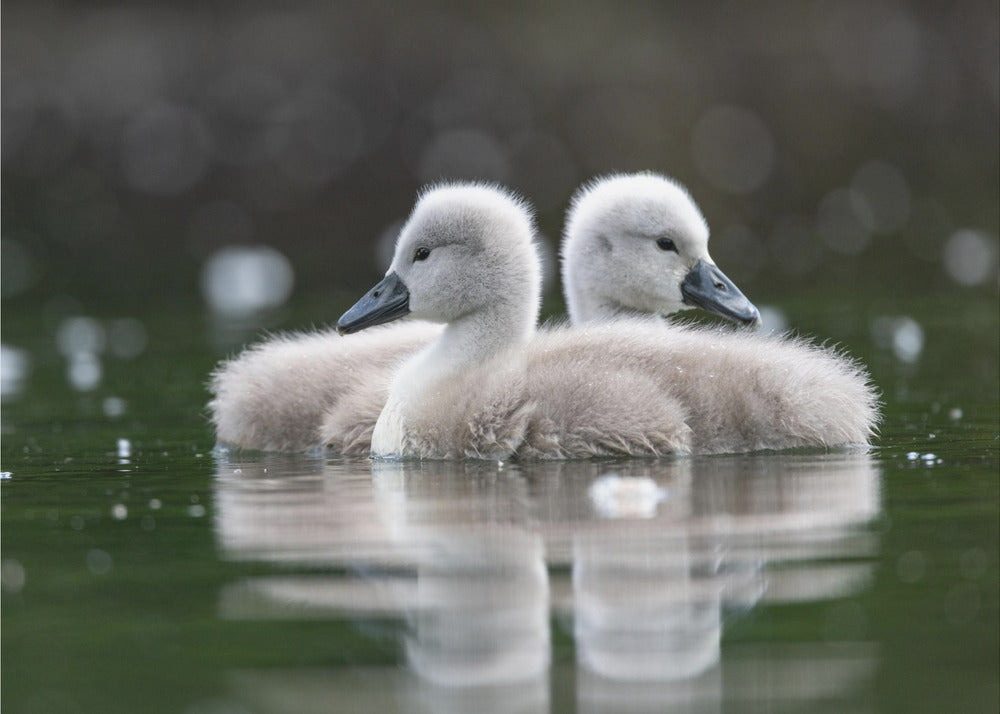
x=664 y=243
x=421 y=254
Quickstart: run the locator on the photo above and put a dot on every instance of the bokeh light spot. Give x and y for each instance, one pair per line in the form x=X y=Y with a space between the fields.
x=15 y=366
x=238 y=281
x=970 y=257
x=77 y=335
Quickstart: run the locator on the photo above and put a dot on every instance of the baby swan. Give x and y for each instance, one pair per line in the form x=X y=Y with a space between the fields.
x=465 y=257
x=636 y=244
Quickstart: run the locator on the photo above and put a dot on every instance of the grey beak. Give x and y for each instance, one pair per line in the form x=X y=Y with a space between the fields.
x=708 y=287
x=387 y=301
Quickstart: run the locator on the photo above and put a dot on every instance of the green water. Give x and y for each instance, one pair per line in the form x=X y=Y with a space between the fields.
x=166 y=577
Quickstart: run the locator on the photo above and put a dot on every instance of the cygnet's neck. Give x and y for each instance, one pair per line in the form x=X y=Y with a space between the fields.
x=586 y=306
x=465 y=343
x=478 y=336
x=473 y=339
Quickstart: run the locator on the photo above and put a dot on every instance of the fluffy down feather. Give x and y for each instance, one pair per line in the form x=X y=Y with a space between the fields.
x=272 y=397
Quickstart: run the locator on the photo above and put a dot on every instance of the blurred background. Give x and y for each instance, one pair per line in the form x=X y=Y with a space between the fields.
x=178 y=178
x=247 y=156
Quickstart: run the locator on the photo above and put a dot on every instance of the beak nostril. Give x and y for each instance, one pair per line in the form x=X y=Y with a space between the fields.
x=721 y=287
x=376 y=293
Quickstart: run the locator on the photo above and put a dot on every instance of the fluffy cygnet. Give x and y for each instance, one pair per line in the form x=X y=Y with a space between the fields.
x=630 y=246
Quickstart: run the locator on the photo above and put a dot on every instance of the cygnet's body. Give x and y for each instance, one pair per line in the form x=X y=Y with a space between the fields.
x=489 y=388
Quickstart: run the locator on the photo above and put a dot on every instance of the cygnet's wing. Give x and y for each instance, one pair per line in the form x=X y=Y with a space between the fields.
x=738 y=391
x=273 y=396
x=748 y=392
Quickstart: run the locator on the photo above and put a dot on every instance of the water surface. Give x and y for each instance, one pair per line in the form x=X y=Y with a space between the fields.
x=145 y=571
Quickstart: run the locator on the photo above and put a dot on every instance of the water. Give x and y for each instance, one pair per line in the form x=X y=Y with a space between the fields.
x=144 y=571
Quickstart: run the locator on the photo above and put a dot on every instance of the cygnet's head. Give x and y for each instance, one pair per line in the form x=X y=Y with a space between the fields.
x=466 y=248
x=638 y=243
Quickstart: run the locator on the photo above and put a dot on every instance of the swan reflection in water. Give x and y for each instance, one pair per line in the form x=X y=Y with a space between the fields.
x=644 y=561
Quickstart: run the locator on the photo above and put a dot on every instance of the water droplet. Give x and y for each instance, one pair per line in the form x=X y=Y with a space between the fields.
x=196 y=511
x=6 y=475
x=119 y=511
x=124 y=448
x=155 y=504
x=955 y=414
x=912 y=455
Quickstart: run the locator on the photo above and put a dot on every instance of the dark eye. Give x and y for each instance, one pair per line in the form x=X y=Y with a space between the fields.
x=421 y=254
x=665 y=243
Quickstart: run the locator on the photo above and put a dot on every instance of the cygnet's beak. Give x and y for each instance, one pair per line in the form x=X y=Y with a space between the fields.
x=387 y=301
x=708 y=287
